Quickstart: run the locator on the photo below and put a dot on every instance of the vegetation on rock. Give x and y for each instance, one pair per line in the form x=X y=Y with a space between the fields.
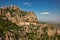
x=10 y=30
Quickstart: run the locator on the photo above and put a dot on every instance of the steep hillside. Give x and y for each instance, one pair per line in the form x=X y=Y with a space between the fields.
x=16 y=24
x=16 y=15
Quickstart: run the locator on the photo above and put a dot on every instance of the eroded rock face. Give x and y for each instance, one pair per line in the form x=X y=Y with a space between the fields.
x=15 y=15
x=31 y=17
x=28 y=28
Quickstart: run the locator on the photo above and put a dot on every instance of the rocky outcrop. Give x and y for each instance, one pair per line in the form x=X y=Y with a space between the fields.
x=16 y=24
x=15 y=15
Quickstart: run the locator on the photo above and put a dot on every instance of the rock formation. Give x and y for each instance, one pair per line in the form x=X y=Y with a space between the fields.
x=16 y=24
x=17 y=16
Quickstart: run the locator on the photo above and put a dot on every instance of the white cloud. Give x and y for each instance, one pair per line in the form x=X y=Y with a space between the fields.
x=45 y=13
x=27 y=3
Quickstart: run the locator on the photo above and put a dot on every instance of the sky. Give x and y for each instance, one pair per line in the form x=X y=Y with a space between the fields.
x=45 y=10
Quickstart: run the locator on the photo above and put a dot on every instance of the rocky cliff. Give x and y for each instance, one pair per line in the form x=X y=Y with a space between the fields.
x=16 y=24
x=16 y=15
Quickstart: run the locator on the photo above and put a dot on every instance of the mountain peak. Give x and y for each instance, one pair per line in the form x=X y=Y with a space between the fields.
x=15 y=15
